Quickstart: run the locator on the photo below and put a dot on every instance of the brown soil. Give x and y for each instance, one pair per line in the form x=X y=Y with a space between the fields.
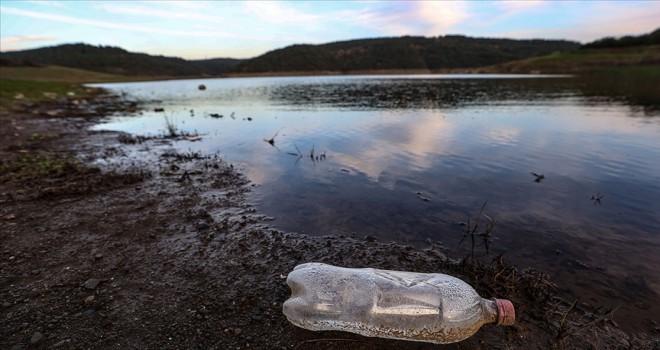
x=113 y=242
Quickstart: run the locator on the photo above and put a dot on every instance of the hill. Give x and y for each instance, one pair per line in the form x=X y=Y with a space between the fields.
x=114 y=60
x=631 y=59
x=638 y=55
x=652 y=38
x=401 y=53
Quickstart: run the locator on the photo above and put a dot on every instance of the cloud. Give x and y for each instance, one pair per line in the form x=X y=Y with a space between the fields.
x=278 y=13
x=109 y=25
x=18 y=39
x=13 y=43
x=47 y=3
x=147 y=11
x=193 y=5
x=602 y=20
x=515 y=7
x=439 y=16
x=429 y=18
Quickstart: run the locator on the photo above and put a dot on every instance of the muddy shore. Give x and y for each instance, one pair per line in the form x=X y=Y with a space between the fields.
x=109 y=241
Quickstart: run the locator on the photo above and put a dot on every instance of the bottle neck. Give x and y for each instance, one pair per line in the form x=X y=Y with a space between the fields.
x=490 y=311
x=499 y=311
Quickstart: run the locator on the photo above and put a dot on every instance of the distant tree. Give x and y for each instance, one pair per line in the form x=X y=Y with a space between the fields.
x=652 y=38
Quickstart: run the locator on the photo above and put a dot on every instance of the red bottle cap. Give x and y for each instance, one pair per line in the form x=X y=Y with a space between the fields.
x=506 y=314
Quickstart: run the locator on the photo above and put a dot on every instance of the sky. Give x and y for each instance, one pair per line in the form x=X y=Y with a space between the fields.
x=245 y=29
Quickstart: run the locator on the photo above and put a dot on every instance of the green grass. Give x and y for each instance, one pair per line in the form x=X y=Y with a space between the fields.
x=37 y=166
x=634 y=60
x=37 y=91
x=33 y=82
x=60 y=74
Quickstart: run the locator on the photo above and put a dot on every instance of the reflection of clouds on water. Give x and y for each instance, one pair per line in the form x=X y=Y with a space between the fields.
x=403 y=144
x=503 y=136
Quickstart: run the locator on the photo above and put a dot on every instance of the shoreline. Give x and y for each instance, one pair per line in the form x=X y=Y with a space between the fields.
x=136 y=254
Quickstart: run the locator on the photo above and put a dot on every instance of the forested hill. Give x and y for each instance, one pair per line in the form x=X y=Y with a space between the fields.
x=652 y=38
x=402 y=53
x=436 y=53
x=117 y=61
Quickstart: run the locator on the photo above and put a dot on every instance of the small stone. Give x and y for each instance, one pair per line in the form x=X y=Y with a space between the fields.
x=89 y=299
x=238 y=331
x=9 y=217
x=202 y=225
x=92 y=283
x=98 y=256
x=36 y=338
x=6 y=304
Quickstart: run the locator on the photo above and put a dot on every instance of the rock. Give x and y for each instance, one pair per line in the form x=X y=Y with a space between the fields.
x=92 y=283
x=89 y=299
x=6 y=304
x=36 y=338
x=202 y=225
x=98 y=256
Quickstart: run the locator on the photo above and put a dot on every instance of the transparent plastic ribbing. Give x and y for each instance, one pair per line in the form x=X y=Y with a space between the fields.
x=429 y=307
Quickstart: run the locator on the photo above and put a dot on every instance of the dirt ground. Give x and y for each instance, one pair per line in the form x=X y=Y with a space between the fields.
x=109 y=241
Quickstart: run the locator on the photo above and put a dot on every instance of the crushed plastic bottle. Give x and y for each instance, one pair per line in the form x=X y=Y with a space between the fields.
x=428 y=307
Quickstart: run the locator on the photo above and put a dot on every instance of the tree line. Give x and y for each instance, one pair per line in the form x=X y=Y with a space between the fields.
x=407 y=52
x=652 y=38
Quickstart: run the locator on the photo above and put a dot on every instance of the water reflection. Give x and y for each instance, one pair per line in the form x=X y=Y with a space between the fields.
x=392 y=142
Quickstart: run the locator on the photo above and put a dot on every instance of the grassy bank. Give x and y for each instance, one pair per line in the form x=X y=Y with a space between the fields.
x=639 y=60
x=38 y=84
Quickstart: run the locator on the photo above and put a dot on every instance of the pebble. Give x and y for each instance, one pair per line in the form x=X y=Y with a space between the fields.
x=98 y=256
x=202 y=225
x=92 y=283
x=89 y=299
x=36 y=338
x=6 y=304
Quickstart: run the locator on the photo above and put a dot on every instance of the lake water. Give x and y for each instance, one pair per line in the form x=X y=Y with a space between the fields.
x=411 y=159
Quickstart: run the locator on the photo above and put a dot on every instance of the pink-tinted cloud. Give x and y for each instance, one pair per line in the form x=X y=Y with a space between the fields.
x=13 y=43
x=602 y=19
x=427 y=18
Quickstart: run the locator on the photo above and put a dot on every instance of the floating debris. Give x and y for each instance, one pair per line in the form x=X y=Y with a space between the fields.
x=596 y=199
x=538 y=177
x=201 y=87
x=271 y=141
x=159 y=109
x=420 y=196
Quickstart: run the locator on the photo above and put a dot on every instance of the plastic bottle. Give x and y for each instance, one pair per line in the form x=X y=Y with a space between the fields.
x=428 y=307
